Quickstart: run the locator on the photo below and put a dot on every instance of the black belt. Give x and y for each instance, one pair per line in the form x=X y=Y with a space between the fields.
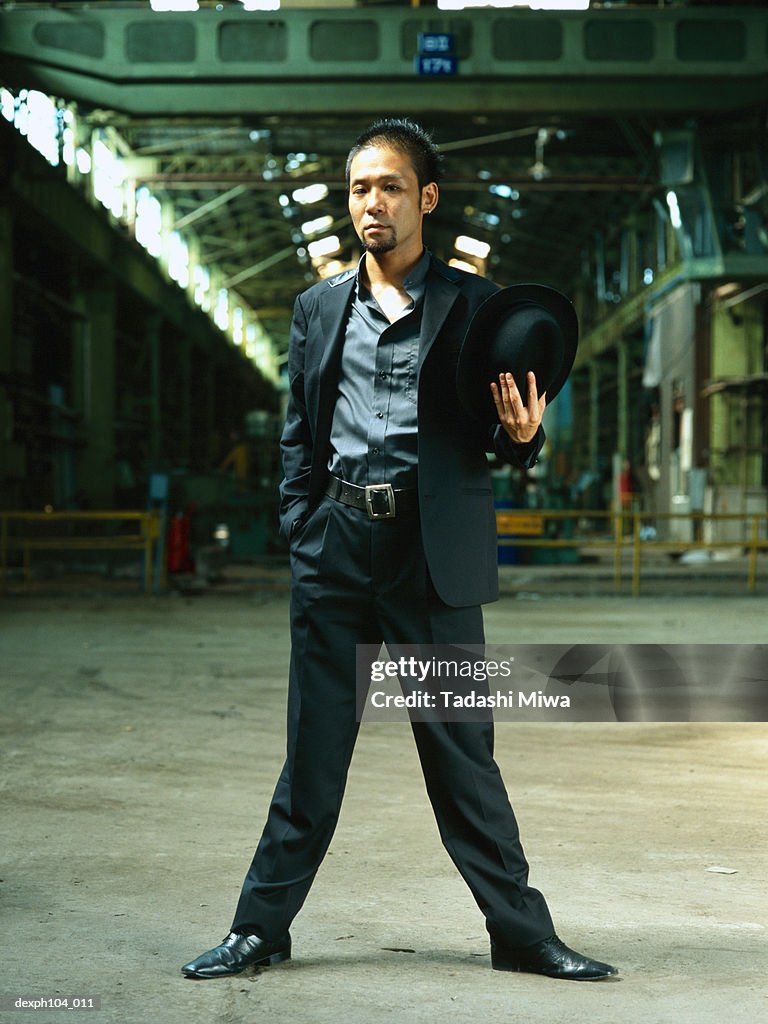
x=380 y=501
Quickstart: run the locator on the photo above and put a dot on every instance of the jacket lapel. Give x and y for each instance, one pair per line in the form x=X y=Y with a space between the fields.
x=439 y=296
x=333 y=308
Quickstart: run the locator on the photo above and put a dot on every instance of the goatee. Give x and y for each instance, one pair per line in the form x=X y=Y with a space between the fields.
x=380 y=245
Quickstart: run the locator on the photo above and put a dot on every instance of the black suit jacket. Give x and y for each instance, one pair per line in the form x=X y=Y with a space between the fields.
x=455 y=499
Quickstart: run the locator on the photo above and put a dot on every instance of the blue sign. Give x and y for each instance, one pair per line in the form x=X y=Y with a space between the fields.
x=444 y=64
x=435 y=42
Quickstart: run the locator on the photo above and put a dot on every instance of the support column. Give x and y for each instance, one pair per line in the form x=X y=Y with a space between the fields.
x=12 y=455
x=213 y=442
x=155 y=419
x=97 y=385
x=622 y=399
x=594 y=414
x=185 y=425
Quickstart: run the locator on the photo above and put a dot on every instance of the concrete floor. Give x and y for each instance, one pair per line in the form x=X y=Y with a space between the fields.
x=141 y=740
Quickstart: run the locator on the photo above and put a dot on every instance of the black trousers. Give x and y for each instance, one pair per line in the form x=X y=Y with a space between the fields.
x=357 y=581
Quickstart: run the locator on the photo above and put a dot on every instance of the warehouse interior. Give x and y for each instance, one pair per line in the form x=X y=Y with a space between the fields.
x=190 y=184
x=171 y=177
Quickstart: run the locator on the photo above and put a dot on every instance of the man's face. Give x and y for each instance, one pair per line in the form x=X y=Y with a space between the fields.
x=385 y=201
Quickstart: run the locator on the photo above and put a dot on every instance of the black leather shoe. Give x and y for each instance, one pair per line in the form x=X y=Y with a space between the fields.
x=236 y=953
x=551 y=957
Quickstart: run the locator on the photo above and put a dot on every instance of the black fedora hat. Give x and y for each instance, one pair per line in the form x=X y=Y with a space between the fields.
x=521 y=328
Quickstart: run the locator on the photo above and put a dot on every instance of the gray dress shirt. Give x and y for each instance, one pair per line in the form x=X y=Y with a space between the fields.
x=373 y=434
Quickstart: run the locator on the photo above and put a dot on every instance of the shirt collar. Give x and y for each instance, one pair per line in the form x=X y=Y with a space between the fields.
x=415 y=280
x=413 y=284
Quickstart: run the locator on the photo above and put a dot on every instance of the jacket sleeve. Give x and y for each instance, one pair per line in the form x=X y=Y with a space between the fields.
x=523 y=456
x=296 y=439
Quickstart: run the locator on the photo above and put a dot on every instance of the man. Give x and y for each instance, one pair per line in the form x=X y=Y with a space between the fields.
x=388 y=508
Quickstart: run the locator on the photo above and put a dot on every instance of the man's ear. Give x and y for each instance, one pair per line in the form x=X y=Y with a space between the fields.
x=429 y=197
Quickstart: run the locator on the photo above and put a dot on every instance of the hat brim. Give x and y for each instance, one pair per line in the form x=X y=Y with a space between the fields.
x=473 y=389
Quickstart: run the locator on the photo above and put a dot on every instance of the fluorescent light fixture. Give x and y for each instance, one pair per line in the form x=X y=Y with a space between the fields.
x=472 y=246
x=310 y=194
x=7 y=105
x=470 y=268
x=535 y=5
x=261 y=5
x=316 y=226
x=504 y=191
x=174 y=5
x=674 y=210
x=327 y=246
x=726 y=291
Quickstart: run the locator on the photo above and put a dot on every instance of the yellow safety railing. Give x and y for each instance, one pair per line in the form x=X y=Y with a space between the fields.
x=20 y=531
x=623 y=534
x=64 y=531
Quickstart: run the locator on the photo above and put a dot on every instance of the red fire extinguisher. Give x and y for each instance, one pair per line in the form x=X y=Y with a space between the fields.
x=179 y=547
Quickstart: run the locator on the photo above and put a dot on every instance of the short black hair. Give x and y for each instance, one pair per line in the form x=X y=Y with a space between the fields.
x=408 y=137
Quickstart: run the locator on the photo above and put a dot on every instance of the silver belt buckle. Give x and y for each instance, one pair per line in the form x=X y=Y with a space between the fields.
x=374 y=493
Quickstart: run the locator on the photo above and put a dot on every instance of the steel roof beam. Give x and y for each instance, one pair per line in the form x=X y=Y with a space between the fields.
x=234 y=61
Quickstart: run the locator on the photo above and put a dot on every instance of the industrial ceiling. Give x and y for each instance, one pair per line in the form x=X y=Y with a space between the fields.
x=535 y=175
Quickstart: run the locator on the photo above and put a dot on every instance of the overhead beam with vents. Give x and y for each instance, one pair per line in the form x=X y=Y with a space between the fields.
x=234 y=61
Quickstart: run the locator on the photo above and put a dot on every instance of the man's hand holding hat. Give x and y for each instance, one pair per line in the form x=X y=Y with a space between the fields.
x=523 y=337
x=520 y=420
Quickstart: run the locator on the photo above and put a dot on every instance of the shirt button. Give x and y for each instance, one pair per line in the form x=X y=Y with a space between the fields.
x=379 y=415
x=382 y=375
x=374 y=451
